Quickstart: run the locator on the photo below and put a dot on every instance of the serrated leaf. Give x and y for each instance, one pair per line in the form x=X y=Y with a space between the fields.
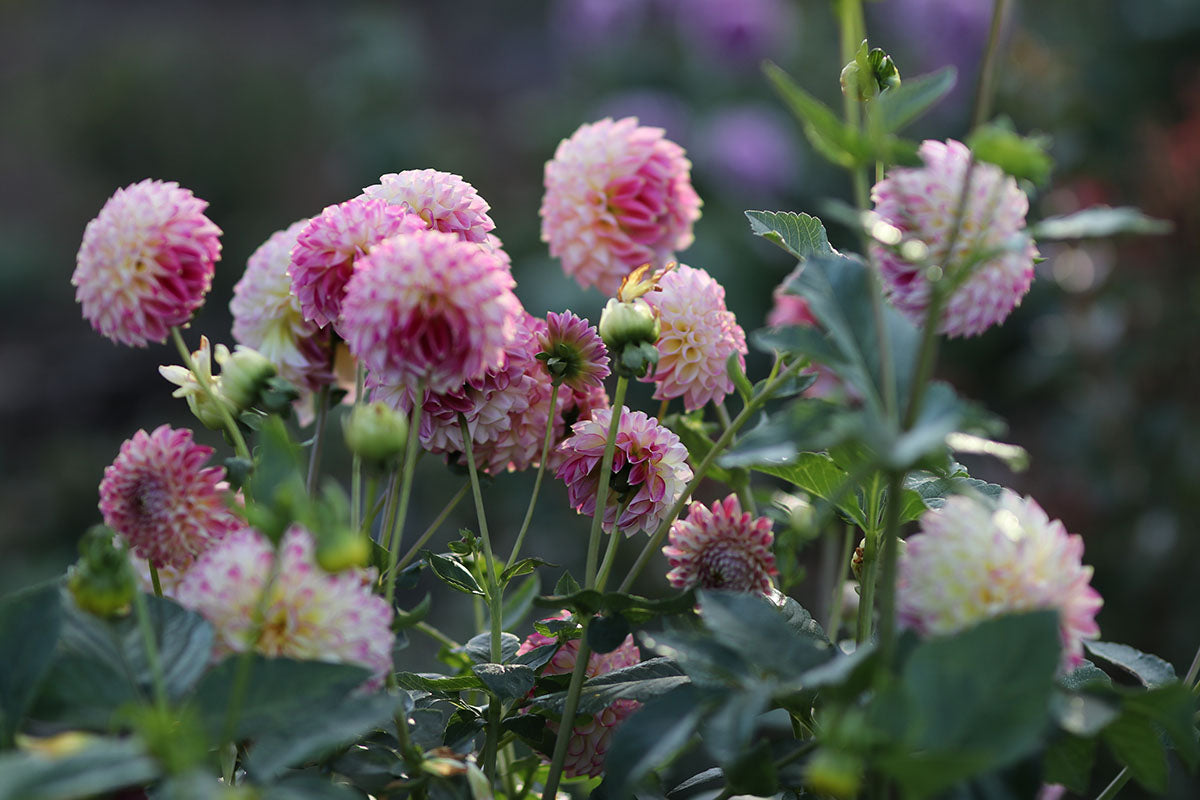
x=749 y=623
x=452 y=573
x=1099 y=222
x=799 y=234
x=899 y=106
x=1084 y=676
x=566 y=585
x=505 y=681
x=641 y=681
x=817 y=474
x=1151 y=670
x=607 y=633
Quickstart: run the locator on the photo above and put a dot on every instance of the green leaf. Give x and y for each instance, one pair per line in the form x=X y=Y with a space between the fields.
x=406 y=619
x=733 y=366
x=650 y=738
x=926 y=490
x=1023 y=157
x=1151 y=670
x=807 y=424
x=1086 y=675
x=754 y=773
x=1069 y=761
x=607 y=633
x=801 y=235
x=523 y=567
x=693 y=432
x=479 y=647
x=941 y=414
x=1099 y=222
x=98 y=767
x=817 y=474
x=634 y=608
x=452 y=573
x=1083 y=714
x=29 y=626
x=538 y=657
x=748 y=623
x=708 y=662
x=642 y=681
x=505 y=681
x=441 y=684
x=567 y=585
x=828 y=135
x=1136 y=744
x=727 y=731
x=899 y=106
x=847 y=673
x=1173 y=708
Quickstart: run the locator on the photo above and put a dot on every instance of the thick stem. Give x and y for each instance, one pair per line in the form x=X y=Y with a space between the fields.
x=537 y=482
x=610 y=556
x=314 y=456
x=235 y=433
x=891 y=552
x=410 y=463
x=154 y=581
x=565 y=728
x=603 y=477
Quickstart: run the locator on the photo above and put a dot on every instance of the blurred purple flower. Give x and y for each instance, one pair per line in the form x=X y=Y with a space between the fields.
x=593 y=24
x=739 y=32
x=750 y=149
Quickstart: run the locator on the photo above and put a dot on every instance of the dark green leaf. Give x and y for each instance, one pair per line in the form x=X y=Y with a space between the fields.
x=1083 y=714
x=899 y=106
x=749 y=623
x=406 y=619
x=523 y=567
x=728 y=729
x=693 y=432
x=800 y=235
x=704 y=778
x=650 y=738
x=1023 y=157
x=29 y=626
x=1098 y=222
x=567 y=585
x=817 y=474
x=754 y=773
x=925 y=490
x=452 y=573
x=1151 y=670
x=98 y=767
x=607 y=633
x=1173 y=708
x=1084 y=676
x=307 y=786
x=1136 y=744
x=706 y=661
x=506 y=681
x=641 y=681
x=441 y=684
x=479 y=647
x=538 y=657
x=941 y=414
x=1069 y=761
x=848 y=674
x=828 y=135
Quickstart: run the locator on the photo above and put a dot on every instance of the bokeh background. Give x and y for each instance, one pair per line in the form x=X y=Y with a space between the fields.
x=273 y=110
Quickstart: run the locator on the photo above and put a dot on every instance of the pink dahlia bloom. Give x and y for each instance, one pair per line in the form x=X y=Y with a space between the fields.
x=146 y=262
x=573 y=352
x=923 y=204
x=431 y=308
x=618 y=195
x=267 y=316
x=322 y=260
x=698 y=336
x=159 y=495
x=974 y=560
x=444 y=201
x=788 y=308
x=590 y=738
x=311 y=615
x=650 y=469
x=721 y=548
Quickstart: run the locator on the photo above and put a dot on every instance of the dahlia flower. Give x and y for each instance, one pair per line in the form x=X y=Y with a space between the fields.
x=590 y=738
x=618 y=195
x=788 y=308
x=428 y=307
x=444 y=201
x=159 y=495
x=311 y=614
x=146 y=262
x=267 y=316
x=974 y=560
x=923 y=203
x=322 y=260
x=572 y=351
x=649 y=469
x=721 y=548
x=697 y=337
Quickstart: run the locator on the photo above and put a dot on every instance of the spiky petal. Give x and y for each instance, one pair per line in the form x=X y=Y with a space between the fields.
x=649 y=469
x=721 y=547
x=444 y=201
x=573 y=352
x=310 y=615
x=974 y=560
x=159 y=495
x=618 y=195
x=923 y=203
x=146 y=262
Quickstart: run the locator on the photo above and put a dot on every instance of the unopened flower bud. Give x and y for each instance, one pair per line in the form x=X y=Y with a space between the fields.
x=244 y=375
x=101 y=581
x=869 y=74
x=629 y=331
x=208 y=408
x=343 y=548
x=376 y=432
x=830 y=773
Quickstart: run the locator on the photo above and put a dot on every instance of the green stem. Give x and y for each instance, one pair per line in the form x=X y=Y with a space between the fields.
x=604 y=476
x=368 y=519
x=1117 y=784
x=437 y=635
x=752 y=407
x=837 y=603
x=610 y=556
x=433 y=526
x=410 y=462
x=891 y=550
x=154 y=581
x=565 y=728
x=152 y=660
x=983 y=91
x=537 y=482
x=740 y=487
x=235 y=433
x=356 y=509
x=870 y=565
x=314 y=456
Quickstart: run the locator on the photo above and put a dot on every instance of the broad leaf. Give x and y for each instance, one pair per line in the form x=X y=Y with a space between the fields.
x=817 y=474
x=801 y=235
x=1099 y=222
x=728 y=730
x=438 y=684
x=1151 y=670
x=1069 y=761
x=750 y=624
x=94 y=767
x=29 y=626
x=452 y=573
x=505 y=681
x=650 y=738
x=1023 y=157
x=1136 y=744
x=479 y=647
x=899 y=106
x=641 y=681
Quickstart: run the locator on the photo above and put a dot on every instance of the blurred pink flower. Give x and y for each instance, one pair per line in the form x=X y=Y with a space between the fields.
x=444 y=201
x=617 y=196
x=146 y=262
x=721 y=548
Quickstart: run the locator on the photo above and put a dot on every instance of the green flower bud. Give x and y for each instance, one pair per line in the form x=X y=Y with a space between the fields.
x=102 y=581
x=244 y=375
x=341 y=549
x=376 y=432
x=830 y=773
x=629 y=330
x=869 y=74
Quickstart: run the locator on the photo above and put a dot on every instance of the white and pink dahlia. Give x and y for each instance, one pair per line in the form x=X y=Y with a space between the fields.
x=322 y=260
x=444 y=201
x=974 y=559
x=267 y=316
x=721 y=547
x=146 y=262
x=311 y=614
x=618 y=195
x=923 y=203
x=430 y=308
x=159 y=496
x=573 y=352
x=649 y=470
x=590 y=738
x=698 y=336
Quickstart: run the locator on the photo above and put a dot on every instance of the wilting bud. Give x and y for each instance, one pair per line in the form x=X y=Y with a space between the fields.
x=244 y=375
x=376 y=432
x=342 y=548
x=830 y=773
x=101 y=581
x=629 y=331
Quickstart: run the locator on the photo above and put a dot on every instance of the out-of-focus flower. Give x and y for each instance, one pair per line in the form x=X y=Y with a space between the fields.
x=429 y=307
x=750 y=149
x=444 y=201
x=376 y=432
x=923 y=204
x=267 y=316
x=159 y=495
x=322 y=260
x=146 y=262
x=649 y=469
x=697 y=337
x=101 y=581
x=788 y=308
x=618 y=195
x=590 y=738
x=721 y=548
x=741 y=33
x=974 y=560
x=310 y=614
x=572 y=352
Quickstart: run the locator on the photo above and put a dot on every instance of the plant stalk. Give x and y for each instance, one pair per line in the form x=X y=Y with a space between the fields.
x=602 y=483
x=537 y=482
x=396 y=526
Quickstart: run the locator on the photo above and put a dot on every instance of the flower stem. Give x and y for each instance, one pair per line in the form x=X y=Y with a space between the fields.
x=610 y=555
x=890 y=553
x=537 y=482
x=433 y=526
x=235 y=433
x=437 y=635
x=152 y=660
x=565 y=725
x=356 y=510
x=154 y=581
x=837 y=604
x=314 y=457
x=396 y=525
x=602 y=482
x=984 y=89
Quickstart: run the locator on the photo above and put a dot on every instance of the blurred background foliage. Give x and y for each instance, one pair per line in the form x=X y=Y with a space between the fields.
x=273 y=110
